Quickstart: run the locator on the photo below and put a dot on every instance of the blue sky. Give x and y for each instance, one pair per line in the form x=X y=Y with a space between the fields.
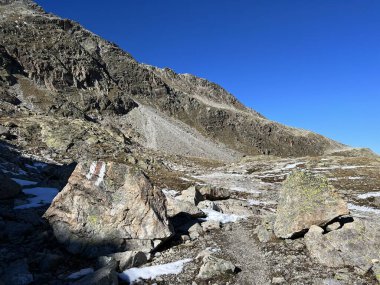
x=311 y=64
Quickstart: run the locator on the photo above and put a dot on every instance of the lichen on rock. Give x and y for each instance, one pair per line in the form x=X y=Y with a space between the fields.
x=306 y=199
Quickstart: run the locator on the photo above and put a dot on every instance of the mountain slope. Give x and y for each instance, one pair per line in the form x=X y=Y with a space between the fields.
x=60 y=68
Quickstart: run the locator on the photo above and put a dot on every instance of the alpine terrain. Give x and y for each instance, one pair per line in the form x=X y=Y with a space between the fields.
x=117 y=172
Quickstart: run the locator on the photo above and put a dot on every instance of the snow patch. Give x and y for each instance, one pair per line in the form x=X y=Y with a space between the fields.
x=23 y=182
x=42 y=196
x=244 y=190
x=368 y=195
x=293 y=165
x=253 y=202
x=213 y=215
x=355 y=178
x=91 y=171
x=134 y=274
x=363 y=209
x=170 y=193
x=80 y=273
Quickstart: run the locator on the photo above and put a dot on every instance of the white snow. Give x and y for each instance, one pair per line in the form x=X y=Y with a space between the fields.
x=42 y=196
x=213 y=215
x=36 y=165
x=244 y=190
x=80 y=273
x=253 y=202
x=134 y=274
x=23 y=182
x=355 y=178
x=363 y=209
x=332 y=179
x=368 y=195
x=293 y=165
x=91 y=171
x=170 y=192
x=184 y=179
x=101 y=174
x=39 y=164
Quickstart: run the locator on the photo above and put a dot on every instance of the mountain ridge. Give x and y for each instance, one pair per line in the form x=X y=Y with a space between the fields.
x=68 y=70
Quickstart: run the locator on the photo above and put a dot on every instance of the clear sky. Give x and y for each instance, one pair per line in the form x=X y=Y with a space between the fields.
x=313 y=64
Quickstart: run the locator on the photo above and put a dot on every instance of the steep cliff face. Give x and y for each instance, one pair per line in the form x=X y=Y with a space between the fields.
x=58 y=67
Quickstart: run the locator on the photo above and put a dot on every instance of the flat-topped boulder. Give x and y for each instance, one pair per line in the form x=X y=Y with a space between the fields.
x=109 y=207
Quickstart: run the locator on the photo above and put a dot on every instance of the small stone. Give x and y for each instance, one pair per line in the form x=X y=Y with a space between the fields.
x=210 y=225
x=128 y=259
x=191 y=195
x=209 y=205
x=278 y=280
x=333 y=227
x=195 y=231
x=103 y=276
x=213 y=266
x=214 y=193
x=185 y=238
x=228 y=227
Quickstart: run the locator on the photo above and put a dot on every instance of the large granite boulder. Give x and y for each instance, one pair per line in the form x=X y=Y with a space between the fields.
x=108 y=207
x=305 y=200
x=356 y=244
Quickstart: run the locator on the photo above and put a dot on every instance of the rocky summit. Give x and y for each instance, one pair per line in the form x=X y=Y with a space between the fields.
x=117 y=172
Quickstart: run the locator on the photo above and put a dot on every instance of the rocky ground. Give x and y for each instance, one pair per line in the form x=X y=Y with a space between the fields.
x=245 y=197
x=116 y=172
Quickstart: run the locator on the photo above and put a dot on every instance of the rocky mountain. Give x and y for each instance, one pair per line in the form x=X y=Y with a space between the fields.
x=117 y=172
x=55 y=66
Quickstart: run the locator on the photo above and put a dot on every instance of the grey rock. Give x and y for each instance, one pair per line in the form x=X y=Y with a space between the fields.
x=214 y=193
x=190 y=195
x=333 y=227
x=206 y=204
x=129 y=259
x=278 y=280
x=177 y=206
x=116 y=209
x=195 y=231
x=264 y=231
x=210 y=226
x=103 y=276
x=306 y=199
x=356 y=244
x=213 y=266
x=376 y=270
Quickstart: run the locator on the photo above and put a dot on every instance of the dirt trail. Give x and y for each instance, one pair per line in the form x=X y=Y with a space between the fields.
x=242 y=247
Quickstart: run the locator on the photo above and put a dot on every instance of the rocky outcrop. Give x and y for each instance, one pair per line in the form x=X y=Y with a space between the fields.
x=356 y=244
x=108 y=207
x=305 y=200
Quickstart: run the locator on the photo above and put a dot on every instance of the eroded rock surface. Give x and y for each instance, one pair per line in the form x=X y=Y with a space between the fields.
x=356 y=244
x=108 y=207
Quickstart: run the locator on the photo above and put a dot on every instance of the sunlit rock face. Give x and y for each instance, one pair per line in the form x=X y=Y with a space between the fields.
x=305 y=200
x=108 y=207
